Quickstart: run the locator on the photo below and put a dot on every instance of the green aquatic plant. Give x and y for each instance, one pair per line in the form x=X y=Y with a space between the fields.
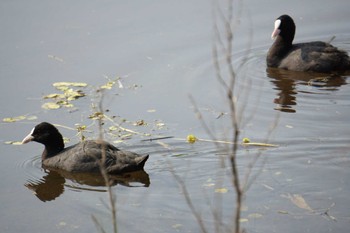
x=19 y=118
x=70 y=92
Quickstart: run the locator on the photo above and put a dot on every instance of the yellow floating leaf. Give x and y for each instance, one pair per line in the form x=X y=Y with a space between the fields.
x=113 y=128
x=243 y=220
x=66 y=140
x=299 y=201
x=255 y=215
x=65 y=103
x=160 y=125
x=208 y=185
x=176 y=226
x=151 y=110
x=221 y=190
x=140 y=123
x=9 y=119
x=80 y=127
x=62 y=88
x=31 y=118
x=118 y=141
x=53 y=96
x=246 y=140
x=51 y=105
x=13 y=119
x=73 y=84
x=72 y=94
x=191 y=138
x=19 y=118
x=108 y=85
x=96 y=115
x=13 y=143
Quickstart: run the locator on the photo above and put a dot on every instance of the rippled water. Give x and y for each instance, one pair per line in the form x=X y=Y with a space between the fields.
x=302 y=185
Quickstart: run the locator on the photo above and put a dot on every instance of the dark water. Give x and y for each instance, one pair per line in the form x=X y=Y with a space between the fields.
x=164 y=47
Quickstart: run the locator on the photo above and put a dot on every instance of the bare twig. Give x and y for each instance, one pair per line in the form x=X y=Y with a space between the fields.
x=102 y=162
x=189 y=201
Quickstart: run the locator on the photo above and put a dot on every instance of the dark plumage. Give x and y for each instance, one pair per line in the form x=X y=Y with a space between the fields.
x=313 y=56
x=84 y=156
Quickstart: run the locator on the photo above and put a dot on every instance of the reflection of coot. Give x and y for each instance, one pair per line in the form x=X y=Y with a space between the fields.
x=47 y=188
x=286 y=81
x=86 y=156
x=50 y=186
x=314 y=56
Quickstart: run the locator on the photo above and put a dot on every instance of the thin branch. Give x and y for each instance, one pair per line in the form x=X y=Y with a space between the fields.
x=103 y=170
x=189 y=201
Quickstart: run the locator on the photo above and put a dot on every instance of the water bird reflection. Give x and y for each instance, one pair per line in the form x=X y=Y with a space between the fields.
x=286 y=83
x=53 y=183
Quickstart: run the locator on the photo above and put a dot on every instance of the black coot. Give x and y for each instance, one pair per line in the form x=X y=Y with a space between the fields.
x=314 y=56
x=84 y=156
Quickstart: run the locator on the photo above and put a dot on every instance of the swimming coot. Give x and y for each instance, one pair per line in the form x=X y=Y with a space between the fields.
x=314 y=56
x=84 y=156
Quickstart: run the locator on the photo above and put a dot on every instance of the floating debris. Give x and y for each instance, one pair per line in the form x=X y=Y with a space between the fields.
x=19 y=118
x=191 y=138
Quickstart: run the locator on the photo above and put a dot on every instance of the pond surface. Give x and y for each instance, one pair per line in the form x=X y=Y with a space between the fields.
x=162 y=51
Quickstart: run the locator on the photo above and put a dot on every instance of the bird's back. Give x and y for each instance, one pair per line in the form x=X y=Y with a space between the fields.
x=87 y=156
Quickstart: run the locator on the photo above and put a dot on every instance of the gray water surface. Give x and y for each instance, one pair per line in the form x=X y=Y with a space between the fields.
x=163 y=50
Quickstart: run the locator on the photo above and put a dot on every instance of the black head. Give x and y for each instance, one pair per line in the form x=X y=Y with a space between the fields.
x=47 y=134
x=285 y=28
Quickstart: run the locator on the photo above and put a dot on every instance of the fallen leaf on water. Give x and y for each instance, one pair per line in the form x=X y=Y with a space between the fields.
x=96 y=116
x=19 y=118
x=160 y=125
x=31 y=118
x=221 y=190
x=13 y=143
x=283 y=212
x=140 y=123
x=113 y=128
x=53 y=96
x=245 y=140
x=66 y=140
x=71 y=94
x=243 y=220
x=255 y=215
x=299 y=201
x=108 y=85
x=55 y=58
x=120 y=84
x=73 y=84
x=191 y=138
x=208 y=185
x=268 y=187
x=50 y=105
x=13 y=119
x=65 y=103
x=177 y=226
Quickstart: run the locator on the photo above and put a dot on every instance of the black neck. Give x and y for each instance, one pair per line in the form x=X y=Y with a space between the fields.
x=52 y=150
x=278 y=50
